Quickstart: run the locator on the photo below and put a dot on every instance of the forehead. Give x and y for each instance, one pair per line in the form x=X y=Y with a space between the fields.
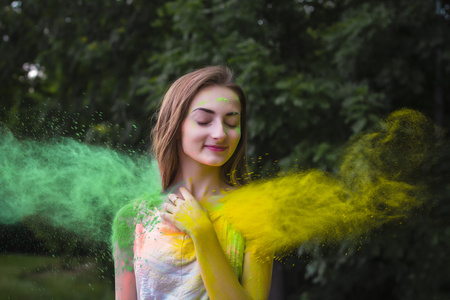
x=216 y=97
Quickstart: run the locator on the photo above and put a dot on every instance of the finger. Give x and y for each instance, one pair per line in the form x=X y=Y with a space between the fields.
x=186 y=194
x=172 y=197
x=168 y=217
x=175 y=199
x=169 y=206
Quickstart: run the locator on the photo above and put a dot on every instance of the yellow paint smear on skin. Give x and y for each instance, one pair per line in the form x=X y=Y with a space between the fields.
x=377 y=183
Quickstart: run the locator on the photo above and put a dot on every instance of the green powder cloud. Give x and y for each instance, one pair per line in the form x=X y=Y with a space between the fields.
x=73 y=185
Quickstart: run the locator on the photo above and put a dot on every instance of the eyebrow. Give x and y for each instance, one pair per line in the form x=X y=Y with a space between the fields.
x=213 y=112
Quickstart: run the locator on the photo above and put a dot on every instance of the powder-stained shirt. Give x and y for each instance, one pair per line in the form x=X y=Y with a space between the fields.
x=165 y=262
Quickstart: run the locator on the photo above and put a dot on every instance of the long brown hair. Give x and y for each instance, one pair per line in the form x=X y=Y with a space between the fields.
x=173 y=110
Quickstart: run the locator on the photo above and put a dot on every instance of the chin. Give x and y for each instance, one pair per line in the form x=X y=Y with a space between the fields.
x=214 y=162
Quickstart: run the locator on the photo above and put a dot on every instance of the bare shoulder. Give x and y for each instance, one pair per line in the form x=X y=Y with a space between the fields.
x=128 y=216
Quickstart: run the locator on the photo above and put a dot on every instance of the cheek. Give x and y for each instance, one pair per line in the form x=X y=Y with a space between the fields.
x=191 y=139
x=235 y=136
x=188 y=132
x=185 y=137
x=238 y=130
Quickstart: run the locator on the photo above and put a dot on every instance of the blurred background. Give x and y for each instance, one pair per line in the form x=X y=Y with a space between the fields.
x=317 y=73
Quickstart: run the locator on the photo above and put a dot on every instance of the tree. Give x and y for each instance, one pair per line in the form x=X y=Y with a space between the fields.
x=316 y=73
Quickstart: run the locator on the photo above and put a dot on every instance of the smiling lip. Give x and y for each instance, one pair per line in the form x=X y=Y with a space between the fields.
x=216 y=148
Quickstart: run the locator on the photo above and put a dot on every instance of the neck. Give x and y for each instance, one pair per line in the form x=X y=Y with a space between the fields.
x=201 y=180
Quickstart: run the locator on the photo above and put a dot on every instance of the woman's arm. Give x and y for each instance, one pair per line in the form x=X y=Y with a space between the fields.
x=257 y=276
x=125 y=281
x=122 y=245
x=217 y=274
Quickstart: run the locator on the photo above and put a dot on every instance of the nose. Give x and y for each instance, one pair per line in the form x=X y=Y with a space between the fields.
x=218 y=131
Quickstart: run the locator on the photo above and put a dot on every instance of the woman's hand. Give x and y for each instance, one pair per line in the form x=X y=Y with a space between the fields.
x=186 y=214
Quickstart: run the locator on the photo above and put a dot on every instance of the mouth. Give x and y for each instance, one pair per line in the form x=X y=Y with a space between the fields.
x=216 y=148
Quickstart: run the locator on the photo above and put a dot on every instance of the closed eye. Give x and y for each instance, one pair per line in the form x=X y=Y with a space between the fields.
x=207 y=123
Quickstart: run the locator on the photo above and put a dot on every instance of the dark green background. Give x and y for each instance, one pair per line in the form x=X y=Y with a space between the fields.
x=316 y=73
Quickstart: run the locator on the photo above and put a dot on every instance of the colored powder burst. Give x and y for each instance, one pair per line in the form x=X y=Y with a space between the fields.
x=81 y=187
x=73 y=185
x=378 y=182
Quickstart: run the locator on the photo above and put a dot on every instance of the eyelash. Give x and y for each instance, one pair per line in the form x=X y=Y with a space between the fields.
x=206 y=123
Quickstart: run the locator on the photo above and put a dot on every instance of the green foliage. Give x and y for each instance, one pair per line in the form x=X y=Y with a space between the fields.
x=68 y=246
x=405 y=259
x=42 y=277
x=105 y=65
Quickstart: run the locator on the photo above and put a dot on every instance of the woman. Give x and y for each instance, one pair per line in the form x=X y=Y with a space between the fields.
x=181 y=251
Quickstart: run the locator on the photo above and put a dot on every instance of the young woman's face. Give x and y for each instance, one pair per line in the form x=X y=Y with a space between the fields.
x=211 y=130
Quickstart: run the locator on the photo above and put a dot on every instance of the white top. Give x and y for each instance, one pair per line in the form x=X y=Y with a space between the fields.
x=165 y=264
